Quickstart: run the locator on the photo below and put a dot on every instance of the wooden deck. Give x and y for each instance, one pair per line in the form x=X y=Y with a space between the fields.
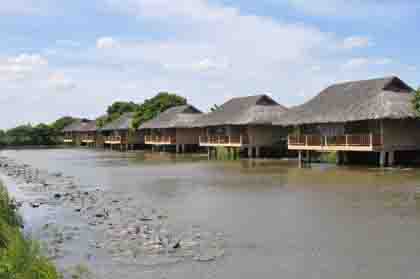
x=225 y=141
x=113 y=140
x=160 y=140
x=362 y=142
x=88 y=139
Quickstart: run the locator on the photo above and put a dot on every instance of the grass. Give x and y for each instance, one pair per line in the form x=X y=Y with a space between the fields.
x=223 y=154
x=20 y=257
x=329 y=157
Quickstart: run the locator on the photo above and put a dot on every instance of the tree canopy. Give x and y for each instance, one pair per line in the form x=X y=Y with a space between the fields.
x=416 y=102
x=152 y=107
x=62 y=122
x=115 y=110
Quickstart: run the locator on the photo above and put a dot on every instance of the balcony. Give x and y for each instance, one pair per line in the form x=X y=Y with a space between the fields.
x=88 y=139
x=362 y=142
x=160 y=140
x=227 y=141
x=113 y=140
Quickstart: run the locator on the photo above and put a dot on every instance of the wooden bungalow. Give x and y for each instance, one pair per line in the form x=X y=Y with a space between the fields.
x=243 y=123
x=120 y=135
x=82 y=132
x=372 y=116
x=174 y=127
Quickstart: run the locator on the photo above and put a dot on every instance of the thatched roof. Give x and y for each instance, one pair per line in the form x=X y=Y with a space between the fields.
x=175 y=117
x=81 y=125
x=384 y=98
x=120 y=124
x=252 y=110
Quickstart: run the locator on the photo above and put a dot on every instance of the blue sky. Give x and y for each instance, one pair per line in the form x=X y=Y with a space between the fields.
x=76 y=57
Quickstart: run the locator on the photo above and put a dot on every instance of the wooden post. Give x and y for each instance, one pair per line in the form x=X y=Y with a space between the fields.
x=257 y=152
x=382 y=158
x=250 y=152
x=209 y=153
x=391 y=158
x=178 y=148
x=300 y=158
x=308 y=157
x=338 y=158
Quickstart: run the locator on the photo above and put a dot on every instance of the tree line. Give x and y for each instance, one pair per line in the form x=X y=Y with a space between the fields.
x=50 y=134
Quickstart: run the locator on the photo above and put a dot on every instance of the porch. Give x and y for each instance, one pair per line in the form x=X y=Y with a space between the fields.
x=225 y=141
x=111 y=140
x=349 y=142
x=160 y=140
x=88 y=139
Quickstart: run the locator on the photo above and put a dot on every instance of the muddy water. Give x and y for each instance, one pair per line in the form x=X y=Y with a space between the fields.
x=268 y=218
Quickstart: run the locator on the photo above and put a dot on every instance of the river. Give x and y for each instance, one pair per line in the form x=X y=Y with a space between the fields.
x=269 y=218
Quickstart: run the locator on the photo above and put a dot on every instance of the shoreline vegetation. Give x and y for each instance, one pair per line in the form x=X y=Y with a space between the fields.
x=51 y=134
x=20 y=256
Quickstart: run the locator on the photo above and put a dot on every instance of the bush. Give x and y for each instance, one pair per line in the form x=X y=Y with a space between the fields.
x=20 y=257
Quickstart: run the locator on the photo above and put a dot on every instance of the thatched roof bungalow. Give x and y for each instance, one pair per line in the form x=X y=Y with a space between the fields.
x=81 y=131
x=120 y=132
x=374 y=115
x=243 y=122
x=175 y=126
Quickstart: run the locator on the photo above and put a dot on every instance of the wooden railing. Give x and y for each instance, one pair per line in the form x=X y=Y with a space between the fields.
x=224 y=140
x=68 y=139
x=88 y=139
x=363 y=140
x=160 y=139
x=113 y=139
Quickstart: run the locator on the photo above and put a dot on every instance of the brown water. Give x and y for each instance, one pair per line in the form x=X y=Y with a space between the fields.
x=277 y=221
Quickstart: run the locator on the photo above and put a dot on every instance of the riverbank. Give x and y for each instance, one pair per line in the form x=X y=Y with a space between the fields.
x=104 y=225
x=20 y=256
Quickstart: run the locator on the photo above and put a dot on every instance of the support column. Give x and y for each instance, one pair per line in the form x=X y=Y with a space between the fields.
x=382 y=157
x=250 y=152
x=209 y=152
x=300 y=159
x=345 y=158
x=178 y=148
x=183 y=148
x=339 y=158
x=391 y=158
x=308 y=157
x=257 y=151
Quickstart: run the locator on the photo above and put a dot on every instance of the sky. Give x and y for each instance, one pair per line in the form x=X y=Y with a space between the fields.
x=76 y=57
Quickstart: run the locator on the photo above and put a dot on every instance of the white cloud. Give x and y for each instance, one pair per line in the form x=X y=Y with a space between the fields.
x=359 y=62
x=203 y=51
x=106 y=43
x=59 y=82
x=21 y=66
x=368 y=9
x=356 y=42
x=24 y=7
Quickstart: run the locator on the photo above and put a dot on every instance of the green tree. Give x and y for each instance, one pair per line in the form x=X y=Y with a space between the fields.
x=416 y=102
x=214 y=108
x=3 y=141
x=115 y=110
x=152 y=107
x=62 y=122
x=121 y=108
x=20 y=135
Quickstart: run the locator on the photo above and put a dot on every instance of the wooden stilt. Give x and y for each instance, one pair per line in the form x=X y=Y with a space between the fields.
x=300 y=160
